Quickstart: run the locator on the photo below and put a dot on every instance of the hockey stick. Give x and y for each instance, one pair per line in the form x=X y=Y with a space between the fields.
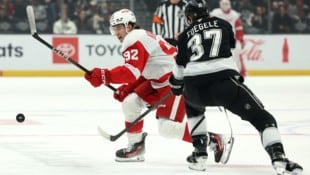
x=231 y=140
x=33 y=30
x=34 y=33
x=118 y=135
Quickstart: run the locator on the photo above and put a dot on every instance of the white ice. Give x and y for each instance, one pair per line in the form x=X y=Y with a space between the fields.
x=59 y=135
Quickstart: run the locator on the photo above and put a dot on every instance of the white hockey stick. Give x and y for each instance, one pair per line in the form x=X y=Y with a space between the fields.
x=230 y=142
x=31 y=20
x=118 y=135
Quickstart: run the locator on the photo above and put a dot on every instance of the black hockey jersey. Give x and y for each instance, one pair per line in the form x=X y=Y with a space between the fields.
x=208 y=39
x=205 y=47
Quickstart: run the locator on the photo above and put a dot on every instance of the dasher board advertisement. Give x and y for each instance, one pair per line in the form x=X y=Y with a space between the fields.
x=21 y=55
x=277 y=54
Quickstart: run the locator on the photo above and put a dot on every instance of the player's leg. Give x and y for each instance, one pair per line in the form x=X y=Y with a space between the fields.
x=171 y=124
x=243 y=70
x=171 y=116
x=132 y=107
x=244 y=103
x=198 y=128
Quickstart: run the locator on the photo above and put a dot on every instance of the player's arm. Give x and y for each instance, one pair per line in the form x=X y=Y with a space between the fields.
x=135 y=59
x=232 y=40
x=176 y=79
x=239 y=31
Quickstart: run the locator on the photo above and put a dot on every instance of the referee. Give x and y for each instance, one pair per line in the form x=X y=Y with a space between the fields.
x=168 y=20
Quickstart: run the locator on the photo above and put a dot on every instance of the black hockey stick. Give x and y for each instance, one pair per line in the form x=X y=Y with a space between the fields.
x=34 y=33
x=116 y=136
x=33 y=30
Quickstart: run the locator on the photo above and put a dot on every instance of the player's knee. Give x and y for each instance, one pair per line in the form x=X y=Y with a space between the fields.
x=170 y=129
x=132 y=106
x=262 y=120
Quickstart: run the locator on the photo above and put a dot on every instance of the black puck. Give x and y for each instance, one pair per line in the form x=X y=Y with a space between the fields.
x=20 y=117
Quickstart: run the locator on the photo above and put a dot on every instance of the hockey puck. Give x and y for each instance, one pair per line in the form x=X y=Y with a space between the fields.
x=20 y=117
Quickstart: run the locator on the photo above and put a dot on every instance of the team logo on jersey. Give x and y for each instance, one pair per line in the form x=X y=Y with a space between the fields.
x=69 y=46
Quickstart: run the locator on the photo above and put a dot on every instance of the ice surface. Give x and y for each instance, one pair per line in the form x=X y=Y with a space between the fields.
x=59 y=135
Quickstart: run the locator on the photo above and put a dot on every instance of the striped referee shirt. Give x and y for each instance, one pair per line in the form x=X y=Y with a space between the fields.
x=168 y=19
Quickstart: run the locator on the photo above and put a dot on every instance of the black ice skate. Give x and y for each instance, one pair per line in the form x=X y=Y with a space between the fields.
x=134 y=153
x=197 y=160
x=280 y=163
x=283 y=166
x=221 y=147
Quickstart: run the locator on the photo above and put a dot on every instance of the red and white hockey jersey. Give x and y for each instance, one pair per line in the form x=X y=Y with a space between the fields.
x=145 y=54
x=233 y=17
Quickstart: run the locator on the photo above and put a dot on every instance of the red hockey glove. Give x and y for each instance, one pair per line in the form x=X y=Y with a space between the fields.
x=123 y=91
x=98 y=77
x=126 y=89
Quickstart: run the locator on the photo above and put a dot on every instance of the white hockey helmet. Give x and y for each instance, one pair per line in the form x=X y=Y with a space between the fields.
x=225 y=5
x=123 y=16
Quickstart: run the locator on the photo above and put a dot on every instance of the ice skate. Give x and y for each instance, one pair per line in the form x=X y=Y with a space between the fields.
x=280 y=163
x=197 y=160
x=133 y=153
x=221 y=147
x=283 y=166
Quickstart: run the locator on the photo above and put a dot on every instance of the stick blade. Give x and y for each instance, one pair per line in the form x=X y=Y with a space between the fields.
x=104 y=134
x=31 y=19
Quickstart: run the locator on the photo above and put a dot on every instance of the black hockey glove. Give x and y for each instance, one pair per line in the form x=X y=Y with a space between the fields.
x=176 y=85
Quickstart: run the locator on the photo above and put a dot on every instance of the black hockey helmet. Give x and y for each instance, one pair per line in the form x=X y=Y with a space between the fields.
x=196 y=9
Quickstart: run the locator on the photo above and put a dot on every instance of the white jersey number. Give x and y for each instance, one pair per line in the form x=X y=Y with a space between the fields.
x=195 y=43
x=131 y=54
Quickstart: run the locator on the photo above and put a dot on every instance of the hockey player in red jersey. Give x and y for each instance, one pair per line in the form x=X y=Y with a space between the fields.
x=233 y=17
x=144 y=79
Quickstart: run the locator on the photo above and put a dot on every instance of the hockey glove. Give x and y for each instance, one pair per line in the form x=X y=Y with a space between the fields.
x=126 y=89
x=123 y=91
x=176 y=85
x=98 y=77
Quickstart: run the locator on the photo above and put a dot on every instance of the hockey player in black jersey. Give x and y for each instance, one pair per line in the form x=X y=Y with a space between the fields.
x=207 y=75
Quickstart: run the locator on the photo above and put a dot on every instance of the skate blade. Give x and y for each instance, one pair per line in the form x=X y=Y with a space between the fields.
x=200 y=165
x=296 y=171
x=131 y=159
x=227 y=151
x=280 y=169
x=197 y=166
